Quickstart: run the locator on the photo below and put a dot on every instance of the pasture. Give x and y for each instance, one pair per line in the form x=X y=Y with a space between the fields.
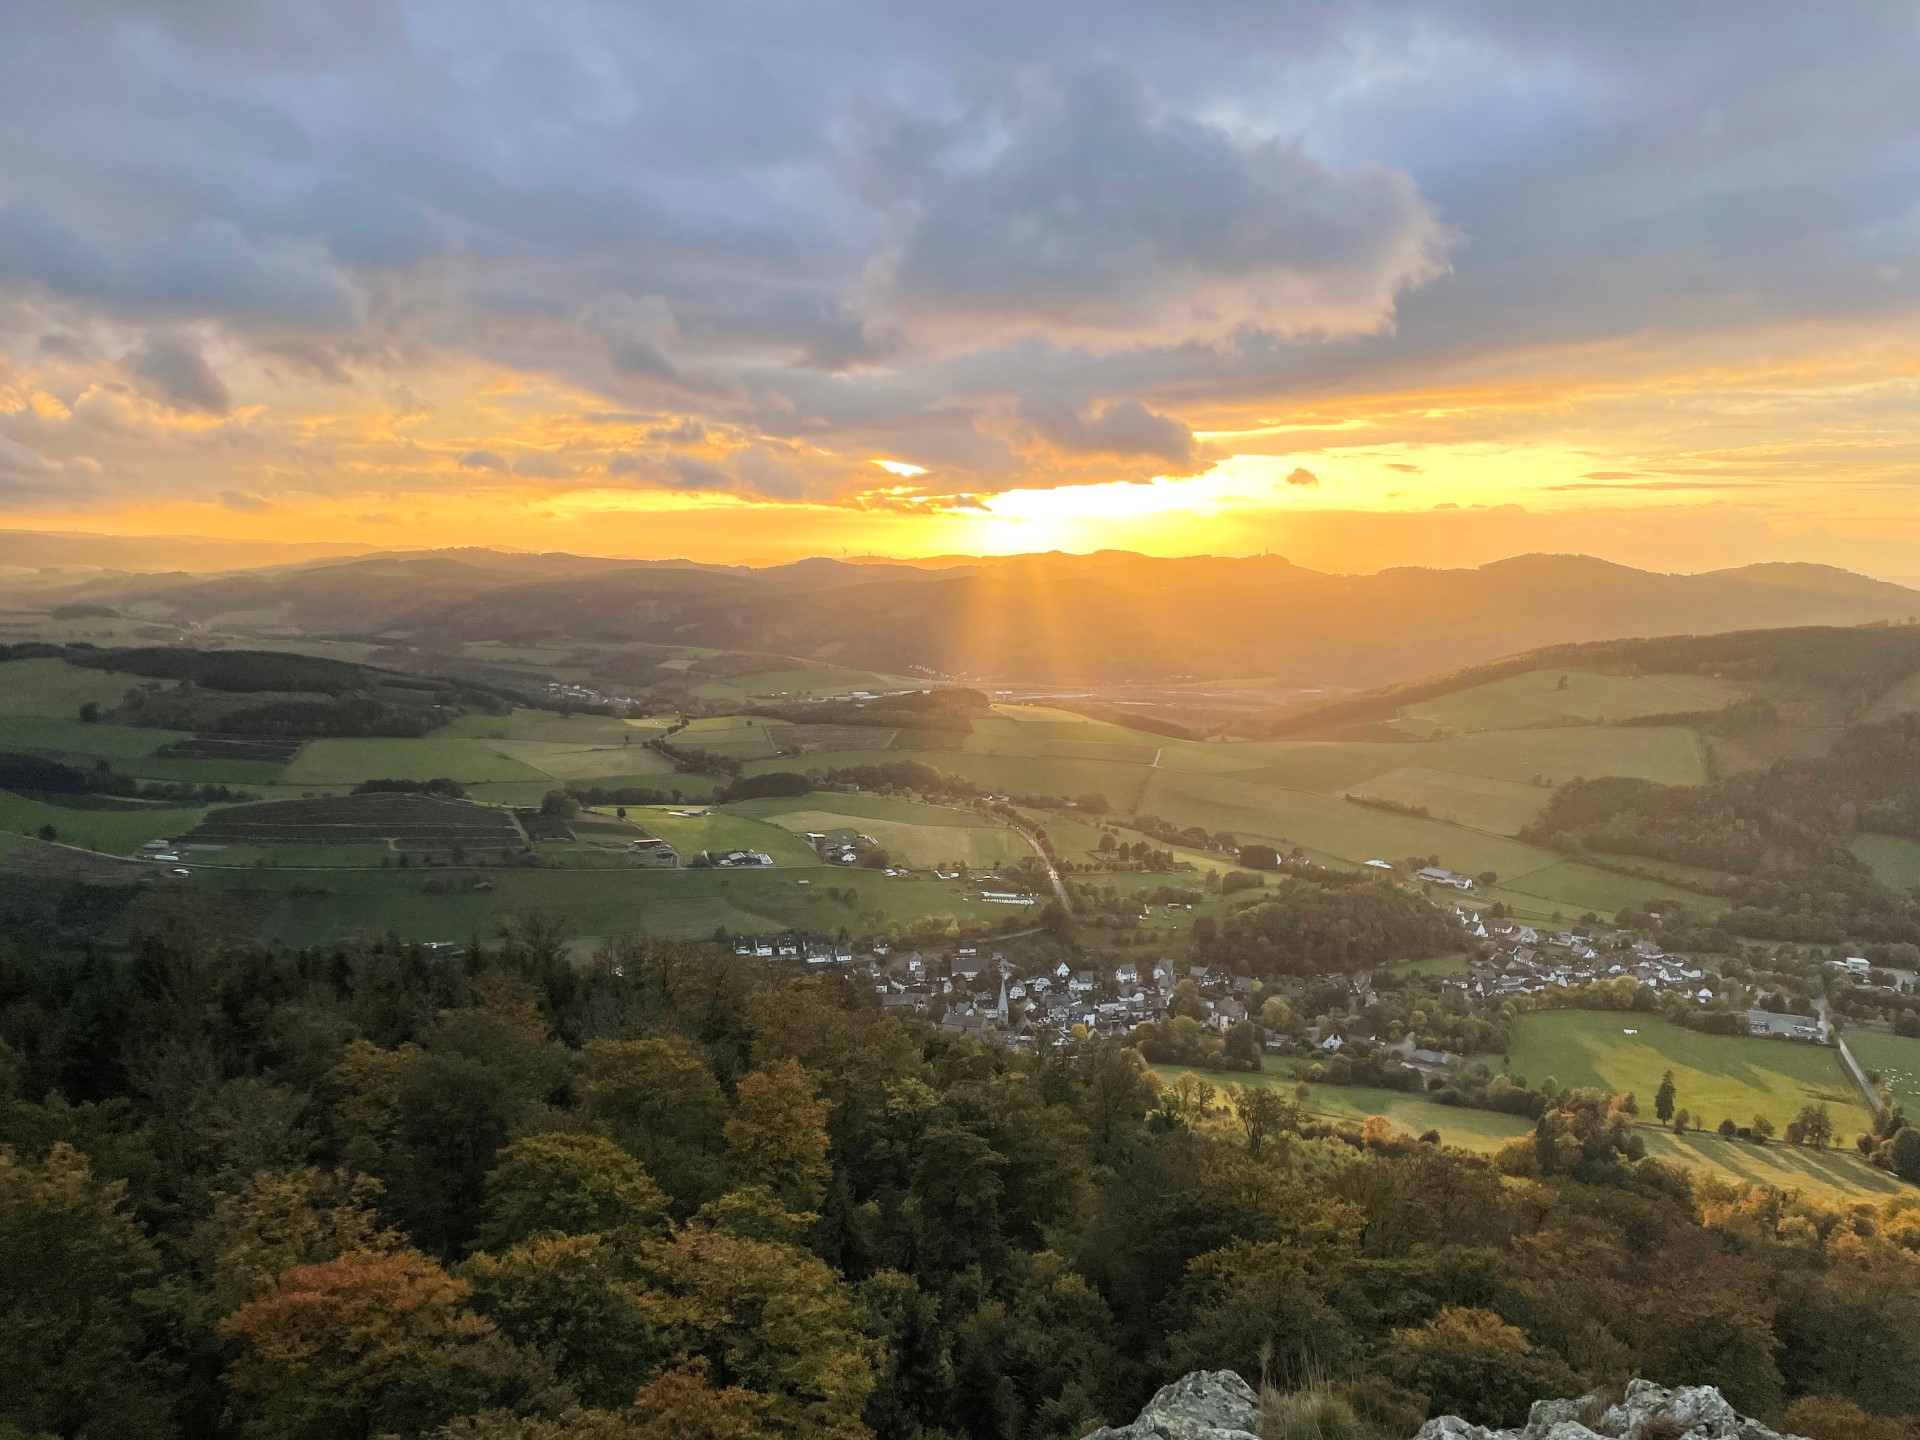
x=1716 y=1077
x=919 y=835
x=595 y=903
x=1894 y=861
x=1476 y=801
x=1551 y=697
x=115 y=832
x=1575 y=889
x=799 y=684
x=408 y=822
x=1481 y=1130
x=720 y=830
x=1831 y=1175
x=628 y=758
x=128 y=749
x=1896 y=1058
x=1836 y=1176
x=348 y=761
x=53 y=687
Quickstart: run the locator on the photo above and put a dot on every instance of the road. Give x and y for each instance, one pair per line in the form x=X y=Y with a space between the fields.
x=1059 y=885
x=1833 y=1037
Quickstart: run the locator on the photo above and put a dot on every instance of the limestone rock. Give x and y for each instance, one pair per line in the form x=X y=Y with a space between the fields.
x=1701 y=1412
x=1205 y=1405
x=1219 y=1405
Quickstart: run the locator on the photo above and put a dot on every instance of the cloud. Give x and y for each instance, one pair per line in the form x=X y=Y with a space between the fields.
x=1403 y=469
x=690 y=472
x=685 y=431
x=209 y=268
x=171 y=369
x=1082 y=206
x=244 y=503
x=1125 y=427
x=938 y=233
x=1300 y=475
x=636 y=331
x=485 y=460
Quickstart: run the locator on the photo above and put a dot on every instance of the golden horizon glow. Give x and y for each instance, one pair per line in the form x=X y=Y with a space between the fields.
x=1798 y=447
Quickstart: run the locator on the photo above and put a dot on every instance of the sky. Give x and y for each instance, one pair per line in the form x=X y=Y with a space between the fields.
x=1359 y=284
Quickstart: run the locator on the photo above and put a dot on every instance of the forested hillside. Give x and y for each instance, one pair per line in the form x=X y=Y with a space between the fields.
x=373 y=1191
x=1041 y=618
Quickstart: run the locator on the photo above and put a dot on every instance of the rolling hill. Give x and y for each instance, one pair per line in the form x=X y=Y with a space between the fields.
x=1103 y=619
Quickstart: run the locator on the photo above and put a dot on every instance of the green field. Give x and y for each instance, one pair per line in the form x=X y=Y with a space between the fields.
x=770 y=684
x=296 y=857
x=547 y=726
x=1435 y=965
x=1476 y=801
x=1482 y=1130
x=1833 y=1175
x=671 y=904
x=578 y=761
x=721 y=830
x=1716 y=1077
x=1894 y=861
x=1328 y=824
x=916 y=834
x=1537 y=698
x=115 y=832
x=1896 y=1058
x=127 y=748
x=1574 y=888
x=346 y=762
x=53 y=687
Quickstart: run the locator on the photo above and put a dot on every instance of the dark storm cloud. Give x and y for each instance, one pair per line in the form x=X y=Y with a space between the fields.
x=1125 y=427
x=1087 y=208
x=882 y=229
x=172 y=370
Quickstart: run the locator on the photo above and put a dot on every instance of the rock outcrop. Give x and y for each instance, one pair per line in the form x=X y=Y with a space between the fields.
x=1650 y=1412
x=1219 y=1405
x=1205 y=1405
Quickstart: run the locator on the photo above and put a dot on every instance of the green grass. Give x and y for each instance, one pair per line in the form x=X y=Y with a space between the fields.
x=330 y=857
x=1536 y=698
x=671 y=904
x=1329 y=825
x=1894 y=861
x=586 y=761
x=979 y=846
x=1123 y=785
x=345 y=762
x=545 y=725
x=1574 y=889
x=1436 y=965
x=1833 y=1175
x=920 y=835
x=1477 y=801
x=114 y=832
x=129 y=749
x=1716 y=1077
x=53 y=687
x=721 y=830
x=1896 y=1057
x=1481 y=1130
x=767 y=684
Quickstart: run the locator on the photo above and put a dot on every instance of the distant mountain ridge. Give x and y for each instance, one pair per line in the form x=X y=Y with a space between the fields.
x=1106 y=618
